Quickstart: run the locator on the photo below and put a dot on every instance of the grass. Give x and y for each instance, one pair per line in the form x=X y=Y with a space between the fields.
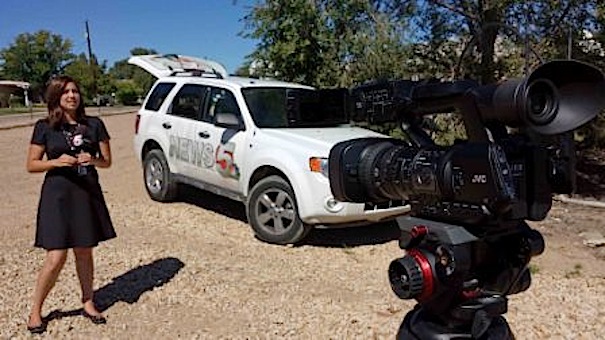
x=347 y=250
x=21 y=109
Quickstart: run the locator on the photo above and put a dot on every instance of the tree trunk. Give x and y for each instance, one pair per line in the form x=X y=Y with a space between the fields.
x=488 y=32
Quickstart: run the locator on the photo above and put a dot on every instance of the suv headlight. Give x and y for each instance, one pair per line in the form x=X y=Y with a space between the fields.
x=319 y=164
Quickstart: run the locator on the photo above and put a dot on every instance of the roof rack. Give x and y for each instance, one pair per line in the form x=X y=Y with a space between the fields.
x=196 y=73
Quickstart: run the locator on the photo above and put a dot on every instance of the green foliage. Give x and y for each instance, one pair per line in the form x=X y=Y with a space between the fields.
x=16 y=101
x=122 y=70
x=447 y=129
x=35 y=58
x=243 y=70
x=486 y=41
x=84 y=74
x=142 y=51
x=291 y=46
x=485 y=33
x=592 y=135
x=127 y=92
x=93 y=79
x=346 y=42
x=342 y=43
x=323 y=43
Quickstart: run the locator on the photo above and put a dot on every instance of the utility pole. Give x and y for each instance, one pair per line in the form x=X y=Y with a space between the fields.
x=90 y=64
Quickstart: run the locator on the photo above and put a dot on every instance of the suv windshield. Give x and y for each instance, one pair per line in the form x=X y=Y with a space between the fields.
x=280 y=107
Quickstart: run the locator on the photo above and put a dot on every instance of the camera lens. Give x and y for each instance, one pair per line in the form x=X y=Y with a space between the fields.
x=541 y=102
x=380 y=169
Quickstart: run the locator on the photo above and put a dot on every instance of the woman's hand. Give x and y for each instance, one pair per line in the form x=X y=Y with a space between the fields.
x=84 y=158
x=35 y=163
x=65 y=160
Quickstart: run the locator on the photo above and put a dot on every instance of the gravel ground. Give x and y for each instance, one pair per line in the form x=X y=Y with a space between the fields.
x=193 y=269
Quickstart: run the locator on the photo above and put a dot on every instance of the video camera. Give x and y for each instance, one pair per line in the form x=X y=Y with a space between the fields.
x=467 y=241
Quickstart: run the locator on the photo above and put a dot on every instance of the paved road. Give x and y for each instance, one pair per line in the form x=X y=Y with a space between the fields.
x=10 y=121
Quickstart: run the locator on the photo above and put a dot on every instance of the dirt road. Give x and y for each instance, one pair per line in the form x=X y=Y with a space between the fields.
x=192 y=269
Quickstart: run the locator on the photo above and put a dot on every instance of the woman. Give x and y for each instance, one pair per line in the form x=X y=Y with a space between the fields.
x=72 y=211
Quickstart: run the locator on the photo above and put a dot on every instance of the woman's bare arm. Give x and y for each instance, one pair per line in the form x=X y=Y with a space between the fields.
x=35 y=163
x=104 y=159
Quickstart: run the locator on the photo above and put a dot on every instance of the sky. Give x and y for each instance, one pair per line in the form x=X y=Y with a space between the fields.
x=200 y=28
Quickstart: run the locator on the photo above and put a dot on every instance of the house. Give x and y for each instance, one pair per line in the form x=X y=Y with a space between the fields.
x=9 y=87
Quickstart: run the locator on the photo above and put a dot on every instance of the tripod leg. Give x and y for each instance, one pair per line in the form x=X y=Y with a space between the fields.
x=499 y=329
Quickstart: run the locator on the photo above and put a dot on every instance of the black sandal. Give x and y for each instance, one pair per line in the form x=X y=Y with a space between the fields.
x=41 y=328
x=96 y=319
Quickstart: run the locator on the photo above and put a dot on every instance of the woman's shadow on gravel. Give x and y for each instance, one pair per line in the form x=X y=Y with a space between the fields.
x=345 y=237
x=129 y=286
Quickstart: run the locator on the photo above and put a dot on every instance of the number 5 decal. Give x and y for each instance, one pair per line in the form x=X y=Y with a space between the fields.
x=224 y=161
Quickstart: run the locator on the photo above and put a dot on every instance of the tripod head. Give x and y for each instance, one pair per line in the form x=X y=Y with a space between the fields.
x=461 y=280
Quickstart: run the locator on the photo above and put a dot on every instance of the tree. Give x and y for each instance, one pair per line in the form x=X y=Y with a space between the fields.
x=344 y=42
x=127 y=92
x=592 y=50
x=477 y=27
x=488 y=40
x=291 y=40
x=122 y=70
x=92 y=77
x=322 y=42
x=35 y=58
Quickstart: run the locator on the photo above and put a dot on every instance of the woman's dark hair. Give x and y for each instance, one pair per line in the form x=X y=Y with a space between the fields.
x=54 y=91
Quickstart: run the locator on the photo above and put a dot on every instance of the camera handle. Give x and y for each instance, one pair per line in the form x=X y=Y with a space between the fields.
x=480 y=318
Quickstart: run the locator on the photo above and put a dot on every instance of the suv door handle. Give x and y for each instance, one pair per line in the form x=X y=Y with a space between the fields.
x=203 y=134
x=166 y=125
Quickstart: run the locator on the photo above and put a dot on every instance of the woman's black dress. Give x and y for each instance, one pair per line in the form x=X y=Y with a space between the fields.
x=72 y=210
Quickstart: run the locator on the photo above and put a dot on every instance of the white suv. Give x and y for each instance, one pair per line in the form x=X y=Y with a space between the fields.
x=247 y=139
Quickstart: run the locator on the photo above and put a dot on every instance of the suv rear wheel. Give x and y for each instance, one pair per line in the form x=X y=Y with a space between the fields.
x=158 y=179
x=273 y=214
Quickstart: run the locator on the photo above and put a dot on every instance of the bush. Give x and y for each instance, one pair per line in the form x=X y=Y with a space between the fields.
x=128 y=93
x=16 y=101
x=592 y=135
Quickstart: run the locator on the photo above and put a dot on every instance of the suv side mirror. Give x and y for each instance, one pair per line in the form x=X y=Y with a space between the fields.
x=228 y=121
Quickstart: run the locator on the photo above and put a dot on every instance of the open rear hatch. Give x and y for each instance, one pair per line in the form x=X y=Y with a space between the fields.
x=163 y=65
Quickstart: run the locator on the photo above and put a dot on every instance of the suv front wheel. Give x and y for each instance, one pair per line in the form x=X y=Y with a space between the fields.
x=158 y=179
x=273 y=214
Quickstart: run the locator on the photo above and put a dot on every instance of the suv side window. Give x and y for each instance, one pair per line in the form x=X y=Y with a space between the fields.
x=188 y=102
x=221 y=101
x=157 y=97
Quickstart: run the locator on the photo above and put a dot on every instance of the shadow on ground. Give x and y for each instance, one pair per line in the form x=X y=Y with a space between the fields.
x=352 y=236
x=590 y=180
x=209 y=201
x=129 y=286
x=319 y=237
